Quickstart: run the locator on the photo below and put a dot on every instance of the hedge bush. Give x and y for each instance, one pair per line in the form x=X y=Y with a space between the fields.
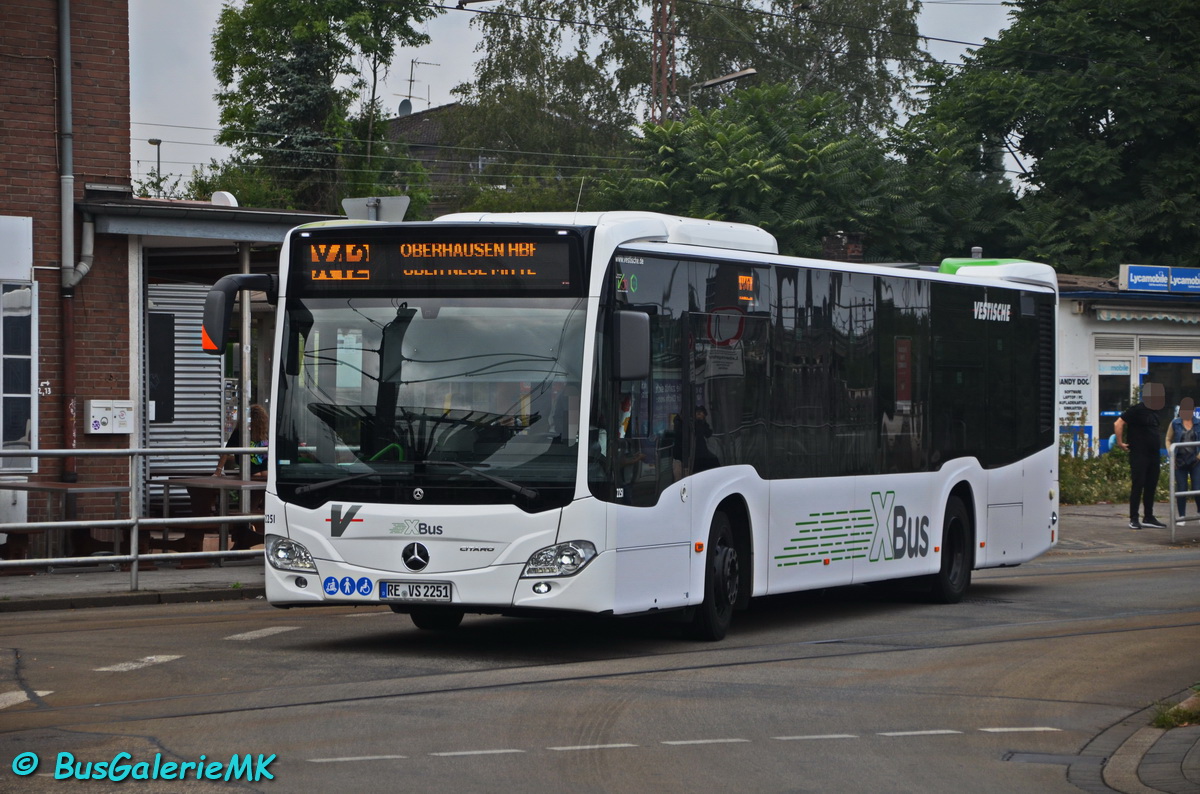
x=1104 y=478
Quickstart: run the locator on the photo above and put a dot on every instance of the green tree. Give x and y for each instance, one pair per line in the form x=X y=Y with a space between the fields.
x=595 y=57
x=249 y=182
x=786 y=162
x=1101 y=104
x=562 y=84
x=289 y=75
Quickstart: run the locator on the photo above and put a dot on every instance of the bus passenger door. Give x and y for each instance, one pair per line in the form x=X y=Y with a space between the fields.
x=650 y=522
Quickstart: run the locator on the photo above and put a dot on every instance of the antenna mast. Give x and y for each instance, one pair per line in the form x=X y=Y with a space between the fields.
x=412 y=66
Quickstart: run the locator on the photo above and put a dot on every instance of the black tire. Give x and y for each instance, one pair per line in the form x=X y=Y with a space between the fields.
x=436 y=618
x=722 y=580
x=950 y=583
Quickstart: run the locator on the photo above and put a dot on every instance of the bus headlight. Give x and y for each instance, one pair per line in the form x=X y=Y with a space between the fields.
x=563 y=559
x=285 y=554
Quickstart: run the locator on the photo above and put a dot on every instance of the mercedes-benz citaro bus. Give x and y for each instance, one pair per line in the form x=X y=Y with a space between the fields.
x=626 y=413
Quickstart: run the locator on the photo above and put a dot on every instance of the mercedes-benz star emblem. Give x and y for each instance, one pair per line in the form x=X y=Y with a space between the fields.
x=415 y=556
x=418 y=494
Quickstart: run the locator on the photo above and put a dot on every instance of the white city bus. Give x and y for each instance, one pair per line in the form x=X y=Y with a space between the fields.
x=626 y=413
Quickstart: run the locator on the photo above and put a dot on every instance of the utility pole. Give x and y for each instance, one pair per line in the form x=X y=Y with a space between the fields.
x=662 y=66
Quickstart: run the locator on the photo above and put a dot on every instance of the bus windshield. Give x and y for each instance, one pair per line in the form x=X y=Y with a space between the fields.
x=469 y=400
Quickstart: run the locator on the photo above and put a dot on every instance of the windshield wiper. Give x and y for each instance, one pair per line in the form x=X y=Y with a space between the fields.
x=317 y=486
x=528 y=493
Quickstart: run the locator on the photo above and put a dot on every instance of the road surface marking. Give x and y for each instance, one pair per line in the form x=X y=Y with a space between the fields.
x=1018 y=730
x=125 y=667
x=477 y=752
x=13 y=698
x=820 y=736
x=258 y=635
x=357 y=758
x=592 y=747
x=920 y=733
x=707 y=741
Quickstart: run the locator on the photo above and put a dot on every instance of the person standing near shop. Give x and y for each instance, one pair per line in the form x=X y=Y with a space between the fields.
x=1137 y=432
x=1187 y=461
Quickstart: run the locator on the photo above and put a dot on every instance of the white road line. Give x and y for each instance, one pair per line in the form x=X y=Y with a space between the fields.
x=14 y=698
x=592 y=747
x=258 y=635
x=920 y=733
x=365 y=614
x=1020 y=730
x=820 y=736
x=357 y=758
x=125 y=667
x=708 y=741
x=476 y=752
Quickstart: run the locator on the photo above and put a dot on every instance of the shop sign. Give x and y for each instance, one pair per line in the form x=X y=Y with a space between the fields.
x=1145 y=278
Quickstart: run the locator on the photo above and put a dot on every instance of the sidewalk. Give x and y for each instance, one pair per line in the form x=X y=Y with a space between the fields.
x=1128 y=757
x=76 y=587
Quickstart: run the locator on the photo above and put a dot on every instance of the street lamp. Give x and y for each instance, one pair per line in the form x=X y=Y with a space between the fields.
x=157 y=144
x=725 y=78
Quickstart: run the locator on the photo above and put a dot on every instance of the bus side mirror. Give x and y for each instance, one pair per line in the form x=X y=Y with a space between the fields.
x=631 y=333
x=218 y=306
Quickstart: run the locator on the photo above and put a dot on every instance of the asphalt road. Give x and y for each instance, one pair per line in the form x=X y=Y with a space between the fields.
x=853 y=689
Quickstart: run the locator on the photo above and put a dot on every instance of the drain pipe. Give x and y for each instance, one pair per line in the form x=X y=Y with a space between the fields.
x=71 y=275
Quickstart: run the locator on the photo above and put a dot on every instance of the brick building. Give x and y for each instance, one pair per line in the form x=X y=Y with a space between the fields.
x=90 y=276
x=66 y=333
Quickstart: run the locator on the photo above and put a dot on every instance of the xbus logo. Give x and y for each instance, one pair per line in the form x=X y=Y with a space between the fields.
x=411 y=526
x=897 y=534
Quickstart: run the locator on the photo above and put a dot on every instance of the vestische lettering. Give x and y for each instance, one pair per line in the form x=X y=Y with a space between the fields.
x=996 y=312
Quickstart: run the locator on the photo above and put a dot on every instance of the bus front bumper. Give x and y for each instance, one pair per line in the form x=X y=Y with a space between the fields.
x=492 y=589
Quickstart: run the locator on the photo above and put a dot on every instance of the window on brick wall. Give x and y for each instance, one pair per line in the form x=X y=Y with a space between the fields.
x=18 y=373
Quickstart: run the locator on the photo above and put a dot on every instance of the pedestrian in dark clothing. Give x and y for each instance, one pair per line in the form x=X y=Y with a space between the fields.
x=1187 y=461
x=1140 y=424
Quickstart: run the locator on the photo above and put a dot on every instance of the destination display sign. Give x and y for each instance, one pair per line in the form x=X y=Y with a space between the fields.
x=398 y=264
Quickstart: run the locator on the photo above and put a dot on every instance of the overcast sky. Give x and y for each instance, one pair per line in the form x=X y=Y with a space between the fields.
x=172 y=84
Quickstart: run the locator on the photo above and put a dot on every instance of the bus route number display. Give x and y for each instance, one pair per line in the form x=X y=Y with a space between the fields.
x=442 y=265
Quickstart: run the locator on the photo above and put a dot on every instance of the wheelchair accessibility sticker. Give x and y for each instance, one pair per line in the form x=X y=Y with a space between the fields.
x=348 y=586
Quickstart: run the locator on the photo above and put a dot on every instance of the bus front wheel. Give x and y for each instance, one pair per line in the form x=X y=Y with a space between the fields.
x=950 y=583
x=721 y=582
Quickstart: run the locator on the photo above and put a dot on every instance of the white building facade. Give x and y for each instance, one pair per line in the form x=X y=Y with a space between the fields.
x=1116 y=334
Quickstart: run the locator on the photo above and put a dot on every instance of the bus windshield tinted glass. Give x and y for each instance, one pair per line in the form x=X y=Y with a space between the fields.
x=378 y=391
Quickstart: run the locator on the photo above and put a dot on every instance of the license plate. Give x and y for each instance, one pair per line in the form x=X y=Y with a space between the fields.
x=414 y=591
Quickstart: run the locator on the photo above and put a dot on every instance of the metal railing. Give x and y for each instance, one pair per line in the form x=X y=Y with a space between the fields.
x=1175 y=495
x=136 y=521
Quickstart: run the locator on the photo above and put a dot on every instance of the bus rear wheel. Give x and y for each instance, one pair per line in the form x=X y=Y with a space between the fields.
x=436 y=618
x=950 y=583
x=722 y=572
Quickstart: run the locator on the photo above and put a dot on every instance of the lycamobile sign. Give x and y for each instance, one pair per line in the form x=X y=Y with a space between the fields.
x=1149 y=278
